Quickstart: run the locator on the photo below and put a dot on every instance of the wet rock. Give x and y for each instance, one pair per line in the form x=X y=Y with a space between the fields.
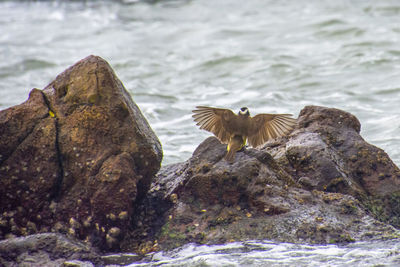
x=120 y=259
x=303 y=188
x=76 y=157
x=328 y=142
x=327 y=148
x=48 y=249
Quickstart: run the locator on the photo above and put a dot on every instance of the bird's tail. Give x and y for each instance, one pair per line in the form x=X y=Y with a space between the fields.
x=235 y=144
x=230 y=155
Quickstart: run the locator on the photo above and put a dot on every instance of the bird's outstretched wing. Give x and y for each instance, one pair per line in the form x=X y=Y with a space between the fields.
x=269 y=126
x=214 y=120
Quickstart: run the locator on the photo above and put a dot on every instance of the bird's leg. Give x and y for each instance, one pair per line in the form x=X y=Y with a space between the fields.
x=244 y=145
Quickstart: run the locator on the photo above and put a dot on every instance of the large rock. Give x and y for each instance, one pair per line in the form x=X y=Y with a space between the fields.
x=327 y=153
x=314 y=187
x=76 y=157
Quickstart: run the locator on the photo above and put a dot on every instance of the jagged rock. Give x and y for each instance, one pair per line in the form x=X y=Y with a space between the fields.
x=314 y=187
x=47 y=249
x=327 y=149
x=328 y=146
x=76 y=157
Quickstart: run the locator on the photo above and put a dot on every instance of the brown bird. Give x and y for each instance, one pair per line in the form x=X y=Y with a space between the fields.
x=236 y=130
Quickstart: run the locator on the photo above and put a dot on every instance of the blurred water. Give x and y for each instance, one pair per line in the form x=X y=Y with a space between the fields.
x=265 y=253
x=271 y=56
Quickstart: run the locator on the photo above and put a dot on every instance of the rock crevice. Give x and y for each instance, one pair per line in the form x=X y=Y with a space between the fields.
x=55 y=195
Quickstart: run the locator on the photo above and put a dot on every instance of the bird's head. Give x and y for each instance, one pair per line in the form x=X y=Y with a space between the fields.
x=244 y=112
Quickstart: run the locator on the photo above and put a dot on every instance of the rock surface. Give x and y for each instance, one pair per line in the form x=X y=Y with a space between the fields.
x=328 y=151
x=47 y=249
x=76 y=157
x=322 y=184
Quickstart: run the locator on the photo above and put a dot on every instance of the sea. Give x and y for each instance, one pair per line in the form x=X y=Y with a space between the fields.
x=269 y=56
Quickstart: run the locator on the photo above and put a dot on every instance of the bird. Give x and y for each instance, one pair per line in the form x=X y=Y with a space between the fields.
x=236 y=130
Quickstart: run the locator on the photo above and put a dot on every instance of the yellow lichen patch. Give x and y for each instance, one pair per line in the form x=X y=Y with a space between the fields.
x=123 y=215
x=114 y=232
x=92 y=117
x=71 y=231
x=148 y=247
x=88 y=221
x=319 y=219
x=74 y=223
x=322 y=228
x=133 y=147
x=329 y=197
x=174 y=198
x=92 y=98
x=111 y=216
x=111 y=241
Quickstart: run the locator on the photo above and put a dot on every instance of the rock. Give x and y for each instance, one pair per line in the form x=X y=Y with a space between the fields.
x=314 y=187
x=328 y=148
x=121 y=259
x=328 y=142
x=77 y=263
x=48 y=249
x=76 y=157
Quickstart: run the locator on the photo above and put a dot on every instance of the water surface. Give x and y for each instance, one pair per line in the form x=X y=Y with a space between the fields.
x=266 y=253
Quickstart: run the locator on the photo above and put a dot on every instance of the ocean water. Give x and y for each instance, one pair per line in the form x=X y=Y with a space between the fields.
x=266 y=253
x=271 y=56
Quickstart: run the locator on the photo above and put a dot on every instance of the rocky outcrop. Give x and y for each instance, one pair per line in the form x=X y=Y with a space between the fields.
x=75 y=158
x=79 y=158
x=322 y=184
x=327 y=153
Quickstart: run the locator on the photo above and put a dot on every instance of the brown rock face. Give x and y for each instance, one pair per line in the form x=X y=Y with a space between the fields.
x=76 y=157
x=328 y=141
x=327 y=153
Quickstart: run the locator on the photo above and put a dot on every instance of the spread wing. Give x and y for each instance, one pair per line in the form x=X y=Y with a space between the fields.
x=214 y=120
x=269 y=126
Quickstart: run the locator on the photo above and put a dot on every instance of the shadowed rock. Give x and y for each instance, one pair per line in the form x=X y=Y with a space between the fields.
x=76 y=157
